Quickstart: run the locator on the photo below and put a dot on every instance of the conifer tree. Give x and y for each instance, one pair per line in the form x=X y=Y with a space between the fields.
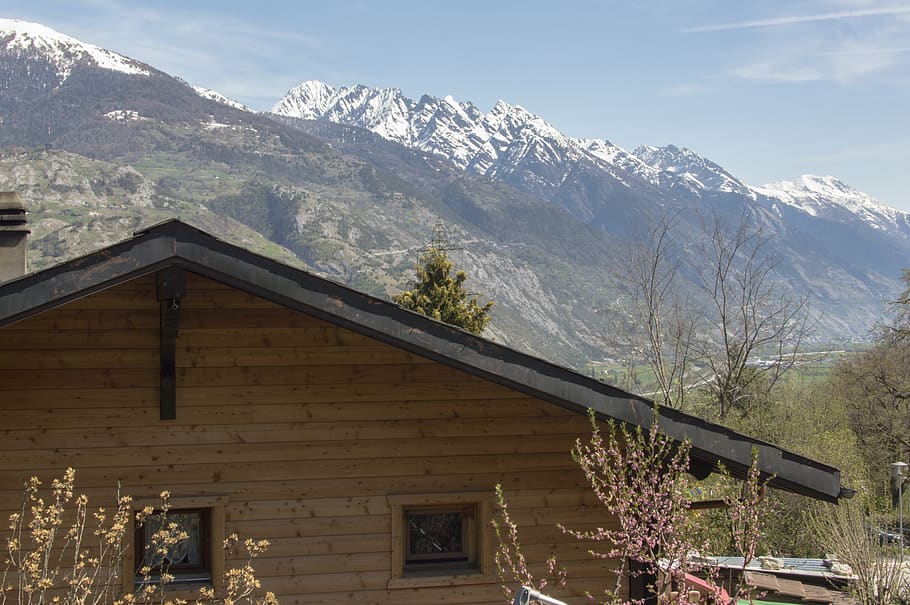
x=438 y=294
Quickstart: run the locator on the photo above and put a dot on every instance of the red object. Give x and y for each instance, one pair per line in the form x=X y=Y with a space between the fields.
x=718 y=593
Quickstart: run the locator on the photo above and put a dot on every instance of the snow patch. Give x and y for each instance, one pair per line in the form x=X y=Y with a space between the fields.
x=124 y=115
x=212 y=95
x=212 y=124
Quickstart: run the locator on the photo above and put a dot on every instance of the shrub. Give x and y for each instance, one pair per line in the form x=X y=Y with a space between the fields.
x=640 y=477
x=51 y=558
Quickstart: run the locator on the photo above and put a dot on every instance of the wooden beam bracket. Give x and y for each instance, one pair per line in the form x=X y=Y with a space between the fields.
x=171 y=288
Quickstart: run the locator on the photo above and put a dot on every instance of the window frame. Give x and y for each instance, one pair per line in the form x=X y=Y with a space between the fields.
x=183 y=574
x=473 y=568
x=466 y=557
x=215 y=506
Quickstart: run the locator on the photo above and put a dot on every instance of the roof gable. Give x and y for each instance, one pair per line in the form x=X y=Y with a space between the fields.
x=174 y=243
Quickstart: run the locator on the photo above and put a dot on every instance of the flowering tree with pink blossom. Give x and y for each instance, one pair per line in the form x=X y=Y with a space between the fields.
x=640 y=476
x=747 y=514
x=511 y=562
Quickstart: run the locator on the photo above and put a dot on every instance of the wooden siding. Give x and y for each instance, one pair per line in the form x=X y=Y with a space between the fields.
x=307 y=428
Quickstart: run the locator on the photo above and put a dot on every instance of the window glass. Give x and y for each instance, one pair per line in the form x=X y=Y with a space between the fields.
x=177 y=542
x=439 y=538
x=436 y=536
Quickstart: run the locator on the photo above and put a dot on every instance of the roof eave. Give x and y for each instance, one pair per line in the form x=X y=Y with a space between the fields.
x=174 y=242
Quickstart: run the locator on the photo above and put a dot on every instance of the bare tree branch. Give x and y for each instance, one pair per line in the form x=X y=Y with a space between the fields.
x=735 y=311
x=751 y=314
x=664 y=320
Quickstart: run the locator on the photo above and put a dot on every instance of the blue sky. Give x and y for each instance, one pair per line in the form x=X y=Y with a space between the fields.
x=768 y=89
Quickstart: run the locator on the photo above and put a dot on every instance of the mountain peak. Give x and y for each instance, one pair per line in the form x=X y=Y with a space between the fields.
x=17 y=37
x=825 y=195
x=316 y=87
x=508 y=142
x=828 y=185
x=516 y=112
x=307 y=100
x=698 y=170
x=814 y=185
x=501 y=107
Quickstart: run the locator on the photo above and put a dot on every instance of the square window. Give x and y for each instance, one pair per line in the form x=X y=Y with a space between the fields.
x=188 y=559
x=439 y=537
x=201 y=561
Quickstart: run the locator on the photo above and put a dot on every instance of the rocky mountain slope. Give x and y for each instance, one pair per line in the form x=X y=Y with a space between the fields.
x=101 y=152
x=512 y=145
x=33 y=42
x=99 y=145
x=830 y=198
x=593 y=179
x=841 y=245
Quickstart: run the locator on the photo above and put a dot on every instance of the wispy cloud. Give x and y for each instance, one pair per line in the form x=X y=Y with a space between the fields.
x=686 y=89
x=855 y=59
x=778 y=71
x=864 y=51
x=840 y=41
x=853 y=154
x=796 y=19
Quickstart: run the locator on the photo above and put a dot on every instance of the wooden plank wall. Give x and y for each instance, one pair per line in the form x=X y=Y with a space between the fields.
x=305 y=426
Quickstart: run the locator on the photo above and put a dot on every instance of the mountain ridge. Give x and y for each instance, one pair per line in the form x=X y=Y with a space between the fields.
x=543 y=222
x=495 y=142
x=60 y=49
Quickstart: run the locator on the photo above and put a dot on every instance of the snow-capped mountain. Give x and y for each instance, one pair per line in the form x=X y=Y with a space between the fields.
x=827 y=197
x=696 y=171
x=550 y=218
x=498 y=143
x=23 y=37
x=831 y=240
x=507 y=143
x=592 y=178
x=57 y=90
x=484 y=143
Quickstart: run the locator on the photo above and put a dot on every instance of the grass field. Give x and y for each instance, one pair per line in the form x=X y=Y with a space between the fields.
x=813 y=364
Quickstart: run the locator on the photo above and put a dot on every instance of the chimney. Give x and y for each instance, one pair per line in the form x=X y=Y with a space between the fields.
x=13 y=236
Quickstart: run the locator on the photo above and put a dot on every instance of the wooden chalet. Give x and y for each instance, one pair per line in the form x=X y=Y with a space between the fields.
x=277 y=404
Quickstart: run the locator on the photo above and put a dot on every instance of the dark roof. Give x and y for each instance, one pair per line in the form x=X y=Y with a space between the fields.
x=173 y=243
